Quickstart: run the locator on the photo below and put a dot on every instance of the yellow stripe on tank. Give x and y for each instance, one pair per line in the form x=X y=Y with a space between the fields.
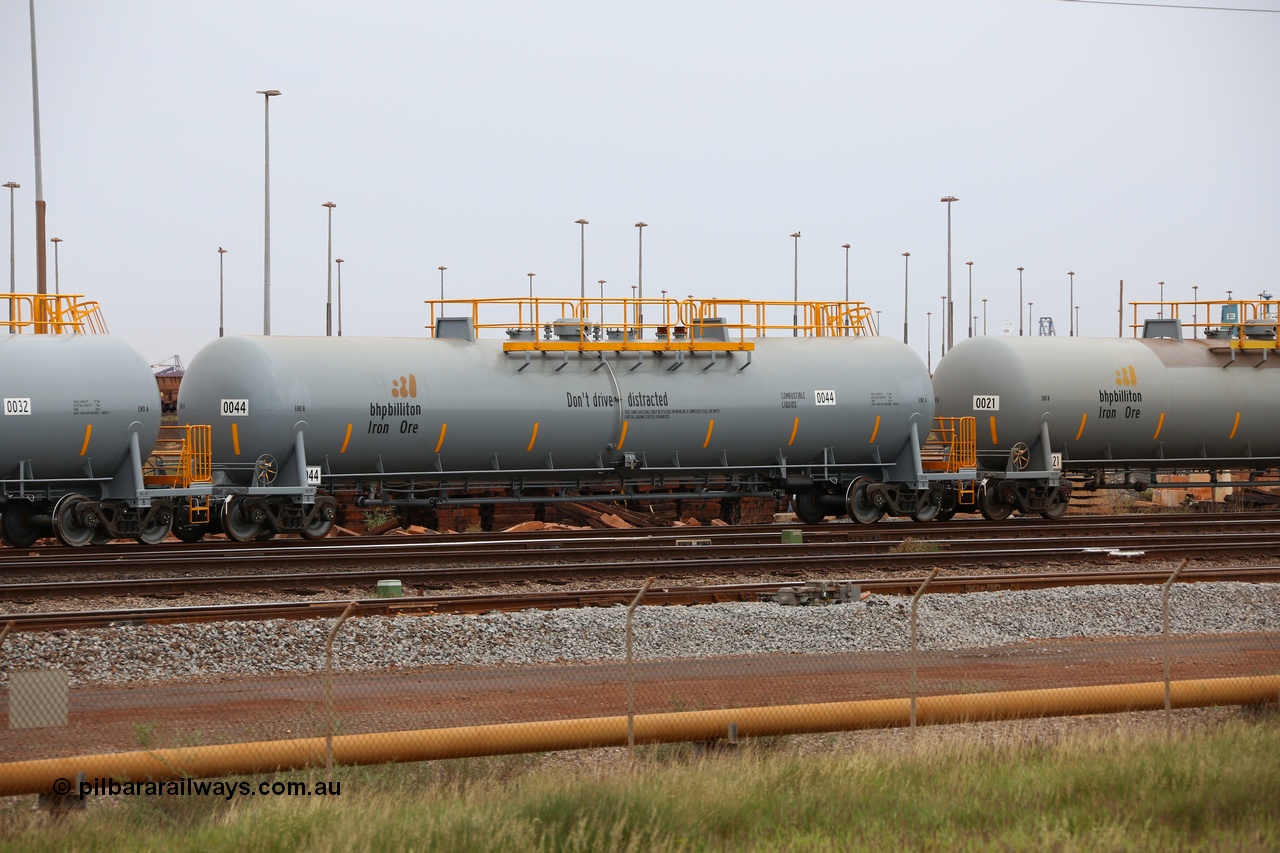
x=235 y=439
x=875 y=430
x=795 y=427
x=622 y=439
x=346 y=439
x=1235 y=426
x=711 y=424
x=994 y=441
x=1159 y=426
x=533 y=437
x=1083 y=417
x=88 y=431
x=440 y=441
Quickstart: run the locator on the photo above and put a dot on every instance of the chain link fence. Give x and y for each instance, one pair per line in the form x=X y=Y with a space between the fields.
x=350 y=689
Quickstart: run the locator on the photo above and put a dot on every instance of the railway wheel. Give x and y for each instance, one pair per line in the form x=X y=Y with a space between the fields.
x=17 y=525
x=929 y=509
x=861 y=508
x=320 y=524
x=188 y=532
x=160 y=524
x=1057 y=506
x=70 y=529
x=806 y=507
x=239 y=525
x=990 y=505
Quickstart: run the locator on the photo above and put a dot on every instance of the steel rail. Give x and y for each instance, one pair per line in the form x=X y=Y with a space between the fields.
x=454 y=546
x=657 y=595
x=706 y=551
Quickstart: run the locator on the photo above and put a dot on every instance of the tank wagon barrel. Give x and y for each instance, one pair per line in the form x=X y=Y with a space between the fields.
x=581 y=395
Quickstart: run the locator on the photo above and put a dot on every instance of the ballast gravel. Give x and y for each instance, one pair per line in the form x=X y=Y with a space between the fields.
x=141 y=653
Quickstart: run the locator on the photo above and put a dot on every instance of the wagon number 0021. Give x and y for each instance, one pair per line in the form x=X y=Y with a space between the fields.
x=986 y=403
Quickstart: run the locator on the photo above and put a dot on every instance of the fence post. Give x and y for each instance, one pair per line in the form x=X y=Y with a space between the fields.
x=914 y=599
x=1168 y=644
x=328 y=690
x=631 y=688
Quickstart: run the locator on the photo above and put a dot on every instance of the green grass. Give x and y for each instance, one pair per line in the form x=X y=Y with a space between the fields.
x=1213 y=788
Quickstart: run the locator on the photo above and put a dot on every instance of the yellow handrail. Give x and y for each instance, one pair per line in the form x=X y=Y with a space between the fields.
x=1235 y=323
x=52 y=314
x=547 y=322
x=183 y=455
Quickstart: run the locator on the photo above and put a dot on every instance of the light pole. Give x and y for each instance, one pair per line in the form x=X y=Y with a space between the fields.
x=339 y=262
x=906 y=290
x=969 y=264
x=795 y=290
x=221 y=316
x=582 y=256
x=1030 y=308
x=1195 y=310
x=1077 y=318
x=1019 y=301
x=11 y=186
x=1160 y=313
x=328 y=272
x=1070 y=323
x=877 y=321
x=267 y=95
x=928 y=339
x=984 y=316
x=442 y=269
x=57 y=284
x=950 y=316
x=846 y=271
x=533 y=321
x=601 y=291
x=665 y=315
x=640 y=226
x=942 y=332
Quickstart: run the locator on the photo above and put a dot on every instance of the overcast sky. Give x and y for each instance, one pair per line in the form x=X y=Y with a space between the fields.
x=1118 y=142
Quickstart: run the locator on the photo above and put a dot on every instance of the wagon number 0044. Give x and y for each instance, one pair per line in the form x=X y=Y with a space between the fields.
x=235 y=408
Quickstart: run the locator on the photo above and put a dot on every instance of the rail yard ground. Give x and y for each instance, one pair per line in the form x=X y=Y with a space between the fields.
x=1116 y=782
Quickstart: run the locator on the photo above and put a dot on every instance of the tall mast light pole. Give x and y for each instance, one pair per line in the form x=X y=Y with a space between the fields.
x=795 y=289
x=221 y=315
x=328 y=271
x=640 y=226
x=582 y=256
x=950 y=315
x=267 y=95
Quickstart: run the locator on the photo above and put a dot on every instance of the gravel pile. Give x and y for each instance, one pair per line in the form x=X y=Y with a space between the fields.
x=946 y=622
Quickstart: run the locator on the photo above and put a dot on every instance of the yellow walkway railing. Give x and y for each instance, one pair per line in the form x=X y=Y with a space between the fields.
x=542 y=324
x=1235 y=323
x=51 y=314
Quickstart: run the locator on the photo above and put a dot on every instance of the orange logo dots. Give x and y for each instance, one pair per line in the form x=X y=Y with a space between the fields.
x=1127 y=376
x=405 y=387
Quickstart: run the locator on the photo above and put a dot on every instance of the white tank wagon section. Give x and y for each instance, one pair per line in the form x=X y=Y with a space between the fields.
x=710 y=404
x=81 y=453
x=1121 y=412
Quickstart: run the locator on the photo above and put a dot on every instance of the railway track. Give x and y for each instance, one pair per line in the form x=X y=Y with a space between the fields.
x=656 y=595
x=629 y=553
